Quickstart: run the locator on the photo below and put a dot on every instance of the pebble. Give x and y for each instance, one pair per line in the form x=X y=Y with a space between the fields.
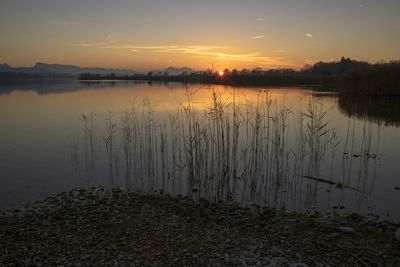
x=250 y=261
x=397 y=234
x=279 y=261
x=346 y=229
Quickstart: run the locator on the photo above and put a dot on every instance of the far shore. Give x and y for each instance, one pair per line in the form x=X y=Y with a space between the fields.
x=239 y=80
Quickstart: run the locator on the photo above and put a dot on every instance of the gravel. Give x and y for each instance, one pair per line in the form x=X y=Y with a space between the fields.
x=103 y=227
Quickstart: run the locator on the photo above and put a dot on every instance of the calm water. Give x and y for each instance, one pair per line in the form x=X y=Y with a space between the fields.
x=351 y=164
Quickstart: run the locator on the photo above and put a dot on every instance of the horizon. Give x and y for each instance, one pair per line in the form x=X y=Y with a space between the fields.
x=152 y=35
x=184 y=67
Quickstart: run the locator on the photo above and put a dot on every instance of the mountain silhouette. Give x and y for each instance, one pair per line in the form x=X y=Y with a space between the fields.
x=43 y=68
x=172 y=71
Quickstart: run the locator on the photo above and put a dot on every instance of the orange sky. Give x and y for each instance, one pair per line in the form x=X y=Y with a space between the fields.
x=146 y=35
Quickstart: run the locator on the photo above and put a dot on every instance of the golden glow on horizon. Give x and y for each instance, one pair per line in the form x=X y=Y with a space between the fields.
x=221 y=73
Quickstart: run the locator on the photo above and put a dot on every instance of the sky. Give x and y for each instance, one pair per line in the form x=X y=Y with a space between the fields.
x=154 y=34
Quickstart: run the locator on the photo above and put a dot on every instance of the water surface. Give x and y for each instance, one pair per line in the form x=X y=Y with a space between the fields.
x=46 y=149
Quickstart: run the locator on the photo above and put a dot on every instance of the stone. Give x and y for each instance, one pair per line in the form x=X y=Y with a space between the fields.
x=397 y=234
x=346 y=229
x=279 y=261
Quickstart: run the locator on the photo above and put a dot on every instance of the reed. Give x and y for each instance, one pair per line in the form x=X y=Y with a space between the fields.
x=127 y=145
x=74 y=155
x=111 y=152
x=89 y=137
x=378 y=80
x=258 y=151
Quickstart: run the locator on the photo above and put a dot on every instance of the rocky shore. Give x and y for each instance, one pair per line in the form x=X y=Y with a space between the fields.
x=101 y=227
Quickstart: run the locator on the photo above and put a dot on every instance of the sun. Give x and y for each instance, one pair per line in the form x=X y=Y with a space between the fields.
x=221 y=73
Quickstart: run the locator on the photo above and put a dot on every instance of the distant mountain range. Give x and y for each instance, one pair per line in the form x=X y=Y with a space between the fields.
x=334 y=68
x=44 y=69
x=58 y=69
x=172 y=71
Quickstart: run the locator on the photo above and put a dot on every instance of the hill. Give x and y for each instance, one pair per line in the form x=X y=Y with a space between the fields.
x=172 y=71
x=59 y=69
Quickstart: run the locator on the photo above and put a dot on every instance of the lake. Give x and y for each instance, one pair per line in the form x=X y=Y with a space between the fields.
x=291 y=148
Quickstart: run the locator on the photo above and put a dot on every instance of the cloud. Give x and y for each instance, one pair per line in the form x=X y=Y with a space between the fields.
x=310 y=61
x=309 y=35
x=109 y=40
x=280 y=51
x=164 y=48
x=257 y=37
x=216 y=52
x=90 y=44
x=260 y=19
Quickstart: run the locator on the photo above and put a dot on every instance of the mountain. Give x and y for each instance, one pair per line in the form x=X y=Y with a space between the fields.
x=178 y=71
x=5 y=67
x=59 y=69
x=172 y=71
x=70 y=69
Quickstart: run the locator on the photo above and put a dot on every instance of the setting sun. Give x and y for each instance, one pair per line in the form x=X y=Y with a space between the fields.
x=221 y=73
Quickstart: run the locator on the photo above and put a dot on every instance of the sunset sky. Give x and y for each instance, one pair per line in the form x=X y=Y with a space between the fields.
x=154 y=34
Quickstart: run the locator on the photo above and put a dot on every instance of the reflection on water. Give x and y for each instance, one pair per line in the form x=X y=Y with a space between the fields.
x=280 y=147
x=43 y=87
x=379 y=109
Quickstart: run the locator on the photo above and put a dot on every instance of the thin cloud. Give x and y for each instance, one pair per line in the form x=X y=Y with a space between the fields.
x=109 y=40
x=257 y=37
x=164 y=48
x=309 y=35
x=90 y=44
x=310 y=61
x=260 y=19
x=280 y=51
x=217 y=52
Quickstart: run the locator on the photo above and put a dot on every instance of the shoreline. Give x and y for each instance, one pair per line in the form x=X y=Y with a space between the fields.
x=125 y=228
x=231 y=80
